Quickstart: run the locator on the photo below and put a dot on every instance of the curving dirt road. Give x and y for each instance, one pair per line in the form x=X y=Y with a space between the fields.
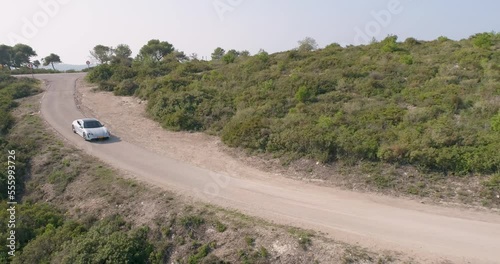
x=429 y=233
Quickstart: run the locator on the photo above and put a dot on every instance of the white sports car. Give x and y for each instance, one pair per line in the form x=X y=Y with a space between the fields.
x=90 y=128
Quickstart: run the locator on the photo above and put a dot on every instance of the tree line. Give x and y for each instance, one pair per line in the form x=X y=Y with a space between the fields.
x=20 y=55
x=155 y=50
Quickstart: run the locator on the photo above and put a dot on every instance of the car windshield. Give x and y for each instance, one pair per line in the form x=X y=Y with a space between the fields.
x=91 y=124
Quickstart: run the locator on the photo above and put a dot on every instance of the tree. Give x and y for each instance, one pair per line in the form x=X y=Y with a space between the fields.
x=482 y=40
x=51 y=59
x=390 y=43
x=122 y=51
x=308 y=44
x=156 y=50
x=121 y=55
x=193 y=56
x=218 y=53
x=102 y=53
x=21 y=54
x=442 y=39
x=412 y=41
x=36 y=64
x=263 y=56
x=230 y=56
x=181 y=56
x=5 y=55
x=244 y=53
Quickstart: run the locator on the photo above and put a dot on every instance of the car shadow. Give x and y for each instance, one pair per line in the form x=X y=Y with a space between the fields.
x=112 y=139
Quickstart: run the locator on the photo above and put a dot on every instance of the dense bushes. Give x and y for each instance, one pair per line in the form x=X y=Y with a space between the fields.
x=432 y=104
x=109 y=241
x=126 y=87
x=31 y=222
x=177 y=110
x=46 y=237
x=100 y=73
x=247 y=130
x=24 y=70
x=10 y=89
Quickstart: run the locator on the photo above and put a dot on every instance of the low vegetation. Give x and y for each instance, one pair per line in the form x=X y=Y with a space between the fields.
x=432 y=106
x=26 y=70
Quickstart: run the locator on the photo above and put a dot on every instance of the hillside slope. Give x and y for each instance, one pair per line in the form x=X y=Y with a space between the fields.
x=432 y=106
x=73 y=208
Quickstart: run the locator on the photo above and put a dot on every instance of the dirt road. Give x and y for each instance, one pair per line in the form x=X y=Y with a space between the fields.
x=429 y=233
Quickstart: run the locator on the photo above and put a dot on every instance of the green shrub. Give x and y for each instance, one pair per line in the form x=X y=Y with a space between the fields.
x=42 y=248
x=495 y=123
x=32 y=221
x=229 y=58
x=122 y=73
x=201 y=253
x=21 y=90
x=24 y=70
x=10 y=89
x=483 y=40
x=100 y=73
x=250 y=241
x=390 y=44
x=263 y=56
x=304 y=237
x=412 y=41
x=407 y=59
x=491 y=188
x=6 y=122
x=263 y=252
x=442 y=39
x=192 y=221
x=107 y=243
x=60 y=180
x=126 y=87
x=303 y=94
x=220 y=227
x=107 y=86
x=178 y=111
x=247 y=130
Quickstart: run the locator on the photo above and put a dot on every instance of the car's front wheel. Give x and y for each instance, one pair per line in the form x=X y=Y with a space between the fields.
x=84 y=136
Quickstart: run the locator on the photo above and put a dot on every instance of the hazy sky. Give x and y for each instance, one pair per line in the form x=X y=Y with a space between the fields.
x=70 y=28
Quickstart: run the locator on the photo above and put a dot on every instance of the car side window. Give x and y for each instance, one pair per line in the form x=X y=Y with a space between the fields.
x=79 y=123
